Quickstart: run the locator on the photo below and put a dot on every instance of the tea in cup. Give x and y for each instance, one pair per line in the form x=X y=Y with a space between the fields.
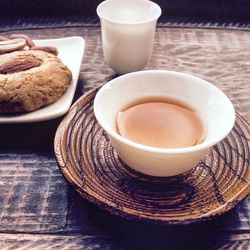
x=158 y=121
x=209 y=116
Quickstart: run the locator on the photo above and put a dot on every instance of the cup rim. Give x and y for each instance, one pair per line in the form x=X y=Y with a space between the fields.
x=101 y=16
x=181 y=150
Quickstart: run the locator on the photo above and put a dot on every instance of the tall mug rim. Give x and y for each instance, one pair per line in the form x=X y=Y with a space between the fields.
x=148 y=20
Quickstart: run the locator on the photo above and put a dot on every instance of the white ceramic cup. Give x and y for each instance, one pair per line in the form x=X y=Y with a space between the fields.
x=128 y=29
x=213 y=105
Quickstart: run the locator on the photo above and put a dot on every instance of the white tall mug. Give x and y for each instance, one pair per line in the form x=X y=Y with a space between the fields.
x=128 y=29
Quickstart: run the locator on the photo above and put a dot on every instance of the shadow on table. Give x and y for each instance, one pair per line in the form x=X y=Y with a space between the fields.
x=29 y=137
x=33 y=137
x=38 y=136
x=123 y=234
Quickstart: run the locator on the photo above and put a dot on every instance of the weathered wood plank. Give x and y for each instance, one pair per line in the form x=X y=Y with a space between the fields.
x=79 y=241
x=36 y=198
x=33 y=193
x=42 y=242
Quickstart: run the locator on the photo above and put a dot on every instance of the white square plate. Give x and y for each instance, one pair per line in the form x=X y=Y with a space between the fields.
x=71 y=50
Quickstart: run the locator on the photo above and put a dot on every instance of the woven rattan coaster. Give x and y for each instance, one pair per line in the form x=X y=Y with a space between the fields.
x=88 y=162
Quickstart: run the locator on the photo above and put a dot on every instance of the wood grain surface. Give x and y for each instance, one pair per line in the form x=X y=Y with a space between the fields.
x=63 y=13
x=38 y=209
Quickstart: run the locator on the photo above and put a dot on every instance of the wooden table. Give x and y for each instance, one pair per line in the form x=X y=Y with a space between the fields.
x=39 y=210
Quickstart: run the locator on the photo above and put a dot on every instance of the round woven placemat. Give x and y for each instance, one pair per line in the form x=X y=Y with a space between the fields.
x=87 y=160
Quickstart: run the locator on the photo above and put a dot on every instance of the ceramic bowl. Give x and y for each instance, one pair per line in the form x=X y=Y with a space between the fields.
x=213 y=105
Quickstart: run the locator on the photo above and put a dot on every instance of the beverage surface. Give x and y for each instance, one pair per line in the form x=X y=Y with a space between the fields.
x=161 y=122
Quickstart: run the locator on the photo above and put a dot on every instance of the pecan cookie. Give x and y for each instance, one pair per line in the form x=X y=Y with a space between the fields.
x=30 y=80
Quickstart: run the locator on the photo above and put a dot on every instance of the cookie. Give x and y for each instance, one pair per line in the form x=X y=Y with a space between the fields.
x=30 y=80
